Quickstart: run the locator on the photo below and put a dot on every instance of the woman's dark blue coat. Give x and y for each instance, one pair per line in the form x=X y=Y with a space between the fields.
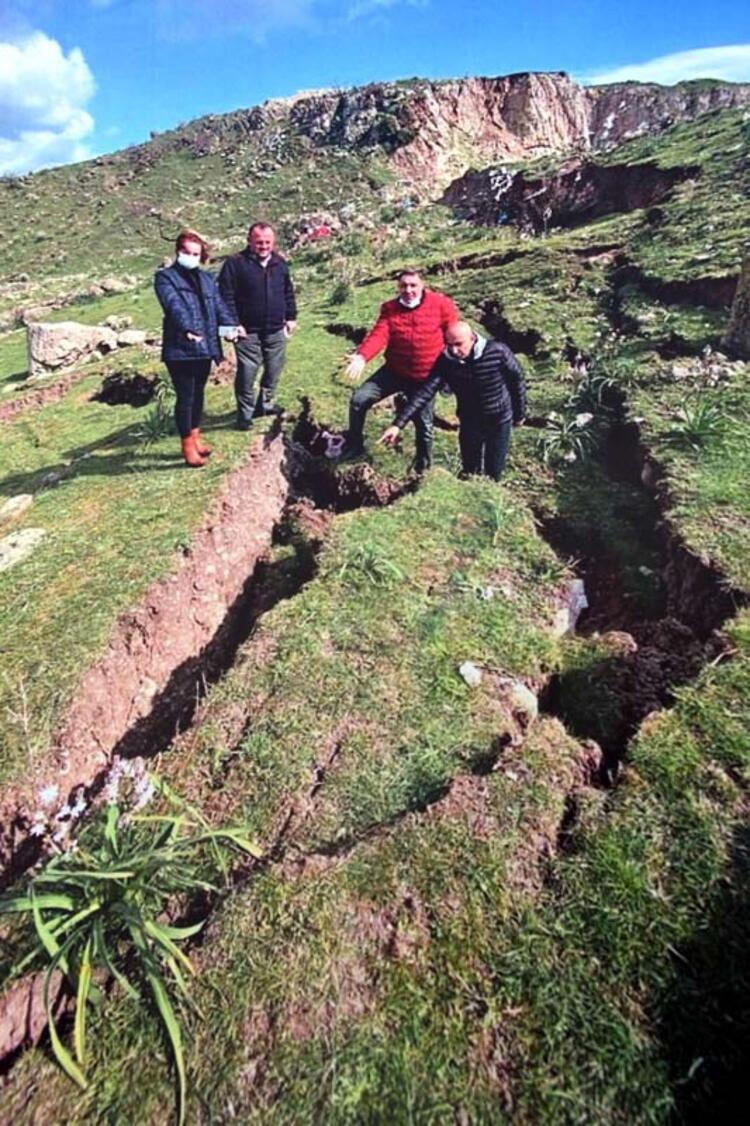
x=190 y=304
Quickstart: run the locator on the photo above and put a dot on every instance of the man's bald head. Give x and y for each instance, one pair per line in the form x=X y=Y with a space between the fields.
x=459 y=340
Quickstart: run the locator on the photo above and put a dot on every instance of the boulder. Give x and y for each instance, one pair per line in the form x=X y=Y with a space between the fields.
x=567 y=615
x=19 y=545
x=524 y=703
x=15 y=507
x=115 y=285
x=130 y=337
x=53 y=346
x=470 y=673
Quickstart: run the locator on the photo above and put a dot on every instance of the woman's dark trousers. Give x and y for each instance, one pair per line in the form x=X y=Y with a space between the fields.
x=189 y=378
x=382 y=384
x=484 y=442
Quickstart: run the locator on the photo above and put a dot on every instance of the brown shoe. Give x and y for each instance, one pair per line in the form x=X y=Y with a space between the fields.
x=190 y=452
x=202 y=447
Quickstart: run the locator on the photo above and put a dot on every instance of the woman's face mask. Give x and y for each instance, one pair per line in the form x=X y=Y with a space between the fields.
x=188 y=261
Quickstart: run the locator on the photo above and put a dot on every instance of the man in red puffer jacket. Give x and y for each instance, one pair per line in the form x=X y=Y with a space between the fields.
x=410 y=329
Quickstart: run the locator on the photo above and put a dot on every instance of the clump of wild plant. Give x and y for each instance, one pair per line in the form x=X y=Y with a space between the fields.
x=159 y=421
x=695 y=424
x=593 y=393
x=96 y=911
x=567 y=438
x=369 y=563
x=342 y=292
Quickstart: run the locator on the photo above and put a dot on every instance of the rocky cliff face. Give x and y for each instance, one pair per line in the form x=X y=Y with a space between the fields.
x=630 y=109
x=434 y=131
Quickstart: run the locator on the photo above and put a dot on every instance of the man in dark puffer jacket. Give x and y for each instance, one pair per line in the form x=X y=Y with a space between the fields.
x=258 y=289
x=488 y=383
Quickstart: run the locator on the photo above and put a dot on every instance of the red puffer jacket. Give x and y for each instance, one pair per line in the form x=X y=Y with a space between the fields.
x=412 y=338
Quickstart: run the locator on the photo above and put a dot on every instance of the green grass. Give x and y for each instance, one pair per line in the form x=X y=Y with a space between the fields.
x=460 y=960
x=114 y=522
x=13 y=363
x=537 y=950
x=445 y=541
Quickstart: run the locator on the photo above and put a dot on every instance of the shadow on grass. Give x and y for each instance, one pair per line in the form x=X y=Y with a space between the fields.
x=17 y=377
x=109 y=456
x=123 y=452
x=704 y=1022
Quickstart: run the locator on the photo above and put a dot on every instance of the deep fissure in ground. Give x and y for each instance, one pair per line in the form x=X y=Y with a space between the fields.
x=655 y=608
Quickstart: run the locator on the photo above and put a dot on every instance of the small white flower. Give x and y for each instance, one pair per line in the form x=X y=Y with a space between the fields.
x=569 y=456
x=38 y=829
x=143 y=796
x=552 y=416
x=583 y=419
x=112 y=792
x=48 y=794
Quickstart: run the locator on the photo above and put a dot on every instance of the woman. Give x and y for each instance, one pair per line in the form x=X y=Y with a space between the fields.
x=193 y=310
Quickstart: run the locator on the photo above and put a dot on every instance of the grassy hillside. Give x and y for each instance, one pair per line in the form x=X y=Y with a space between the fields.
x=464 y=911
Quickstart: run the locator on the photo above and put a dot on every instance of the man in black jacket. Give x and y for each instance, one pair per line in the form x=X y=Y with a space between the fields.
x=258 y=290
x=488 y=383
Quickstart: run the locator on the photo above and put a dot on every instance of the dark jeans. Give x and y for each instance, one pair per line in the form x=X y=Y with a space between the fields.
x=189 y=378
x=484 y=445
x=269 y=349
x=382 y=384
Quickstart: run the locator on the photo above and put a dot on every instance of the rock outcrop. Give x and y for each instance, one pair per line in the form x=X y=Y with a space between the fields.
x=53 y=346
x=434 y=131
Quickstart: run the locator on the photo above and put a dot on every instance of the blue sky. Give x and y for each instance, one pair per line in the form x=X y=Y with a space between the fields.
x=80 y=77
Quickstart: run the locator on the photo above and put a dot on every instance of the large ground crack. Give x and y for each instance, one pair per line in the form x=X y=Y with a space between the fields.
x=644 y=641
x=184 y=634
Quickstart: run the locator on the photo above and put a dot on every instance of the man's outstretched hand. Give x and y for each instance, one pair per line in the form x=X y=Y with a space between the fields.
x=355 y=366
x=389 y=437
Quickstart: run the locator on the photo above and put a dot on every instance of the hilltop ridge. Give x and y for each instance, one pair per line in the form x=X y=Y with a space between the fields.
x=323 y=150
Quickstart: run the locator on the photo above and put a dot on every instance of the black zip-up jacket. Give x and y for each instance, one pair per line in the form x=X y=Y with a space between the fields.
x=490 y=385
x=260 y=297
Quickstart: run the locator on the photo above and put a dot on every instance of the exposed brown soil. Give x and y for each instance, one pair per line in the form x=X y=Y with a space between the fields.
x=713 y=292
x=160 y=653
x=41 y=396
x=224 y=372
x=126 y=387
x=350 y=486
x=23 y=1013
x=577 y=193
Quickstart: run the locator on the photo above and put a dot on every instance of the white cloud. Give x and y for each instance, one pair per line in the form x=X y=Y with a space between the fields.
x=732 y=64
x=43 y=92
